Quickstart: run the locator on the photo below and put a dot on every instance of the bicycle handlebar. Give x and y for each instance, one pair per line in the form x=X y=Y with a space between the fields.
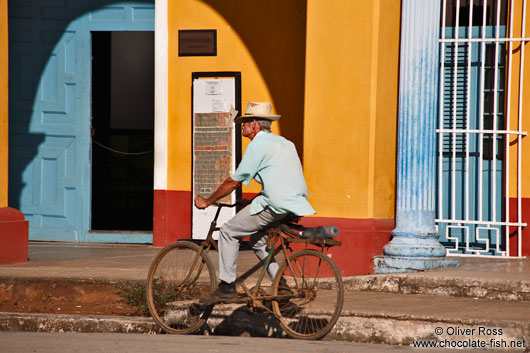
x=242 y=202
x=220 y=204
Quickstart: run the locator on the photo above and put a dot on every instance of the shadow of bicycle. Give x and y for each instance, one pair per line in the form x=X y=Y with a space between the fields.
x=243 y=322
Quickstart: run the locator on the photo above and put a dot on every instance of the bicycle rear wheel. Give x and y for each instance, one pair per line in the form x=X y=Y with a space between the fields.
x=178 y=277
x=313 y=302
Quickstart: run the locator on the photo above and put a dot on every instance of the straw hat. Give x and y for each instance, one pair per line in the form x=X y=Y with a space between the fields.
x=257 y=110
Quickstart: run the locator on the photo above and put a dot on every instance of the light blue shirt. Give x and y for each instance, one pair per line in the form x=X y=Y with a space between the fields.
x=273 y=161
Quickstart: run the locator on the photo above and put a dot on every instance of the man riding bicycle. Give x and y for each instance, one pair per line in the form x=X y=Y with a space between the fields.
x=274 y=163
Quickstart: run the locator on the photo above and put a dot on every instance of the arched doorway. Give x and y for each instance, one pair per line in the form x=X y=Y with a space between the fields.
x=51 y=101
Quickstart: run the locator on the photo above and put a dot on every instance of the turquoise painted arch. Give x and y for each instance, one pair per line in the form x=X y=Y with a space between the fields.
x=50 y=109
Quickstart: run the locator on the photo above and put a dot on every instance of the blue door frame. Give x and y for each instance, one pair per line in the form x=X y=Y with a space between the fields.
x=50 y=110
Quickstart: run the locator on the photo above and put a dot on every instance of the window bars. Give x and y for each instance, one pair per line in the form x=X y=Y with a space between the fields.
x=477 y=213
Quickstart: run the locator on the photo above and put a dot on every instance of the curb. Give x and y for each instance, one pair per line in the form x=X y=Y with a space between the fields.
x=237 y=320
x=440 y=286
x=399 y=284
x=18 y=322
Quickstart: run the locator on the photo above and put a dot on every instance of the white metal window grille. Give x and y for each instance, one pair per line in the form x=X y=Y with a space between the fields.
x=477 y=140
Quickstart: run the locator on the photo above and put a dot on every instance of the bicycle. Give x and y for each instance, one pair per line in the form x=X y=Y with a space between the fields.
x=307 y=308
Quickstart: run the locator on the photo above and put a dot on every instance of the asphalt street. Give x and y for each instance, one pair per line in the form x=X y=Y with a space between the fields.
x=30 y=342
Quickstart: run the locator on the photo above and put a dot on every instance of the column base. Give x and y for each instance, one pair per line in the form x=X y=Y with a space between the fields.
x=414 y=246
x=402 y=264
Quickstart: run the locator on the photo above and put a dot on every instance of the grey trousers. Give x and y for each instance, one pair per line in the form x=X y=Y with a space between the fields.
x=244 y=224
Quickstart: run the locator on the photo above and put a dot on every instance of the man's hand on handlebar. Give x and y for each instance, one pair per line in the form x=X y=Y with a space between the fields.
x=224 y=189
x=201 y=203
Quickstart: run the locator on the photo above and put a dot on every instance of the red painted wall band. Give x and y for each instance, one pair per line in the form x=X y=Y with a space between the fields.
x=172 y=216
x=362 y=239
x=525 y=208
x=13 y=236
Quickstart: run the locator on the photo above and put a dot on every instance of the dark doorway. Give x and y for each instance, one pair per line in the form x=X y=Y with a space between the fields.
x=122 y=131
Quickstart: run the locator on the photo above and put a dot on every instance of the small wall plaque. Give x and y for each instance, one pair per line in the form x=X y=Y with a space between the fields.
x=200 y=42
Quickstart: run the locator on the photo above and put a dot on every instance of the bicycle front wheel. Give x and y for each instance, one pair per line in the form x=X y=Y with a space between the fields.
x=178 y=277
x=311 y=304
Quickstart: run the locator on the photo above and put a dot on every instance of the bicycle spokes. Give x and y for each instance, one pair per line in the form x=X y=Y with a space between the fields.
x=178 y=278
x=317 y=298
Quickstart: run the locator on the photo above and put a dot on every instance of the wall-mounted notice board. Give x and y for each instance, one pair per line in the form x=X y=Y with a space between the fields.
x=216 y=142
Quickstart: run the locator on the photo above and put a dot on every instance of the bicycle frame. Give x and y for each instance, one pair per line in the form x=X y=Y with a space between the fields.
x=209 y=242
x=275 y=233
x=289 y=298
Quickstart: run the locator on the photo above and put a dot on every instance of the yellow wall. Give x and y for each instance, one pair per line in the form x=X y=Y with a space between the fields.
x=514 y=109
x=3 y=103
x=264 y=40
x=351 y=107
x=384 y=170
x=329 y=67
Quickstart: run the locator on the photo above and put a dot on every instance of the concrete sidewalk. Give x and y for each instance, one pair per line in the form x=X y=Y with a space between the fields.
x=491 y=294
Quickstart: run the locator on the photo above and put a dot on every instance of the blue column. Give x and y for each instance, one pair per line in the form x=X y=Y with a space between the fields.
x=415 y=246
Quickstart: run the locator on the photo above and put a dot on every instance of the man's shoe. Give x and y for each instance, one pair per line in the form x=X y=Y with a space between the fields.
x=223 y=291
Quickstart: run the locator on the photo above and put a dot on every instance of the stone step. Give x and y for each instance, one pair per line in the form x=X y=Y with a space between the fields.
x=403 y=318
x=466 y=287
x=368 y=317
x=478 y=277
x=393 y=309
x=431 y=283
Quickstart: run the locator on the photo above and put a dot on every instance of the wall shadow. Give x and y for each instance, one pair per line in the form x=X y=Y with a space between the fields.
x=258 y=23
x=262 y=26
